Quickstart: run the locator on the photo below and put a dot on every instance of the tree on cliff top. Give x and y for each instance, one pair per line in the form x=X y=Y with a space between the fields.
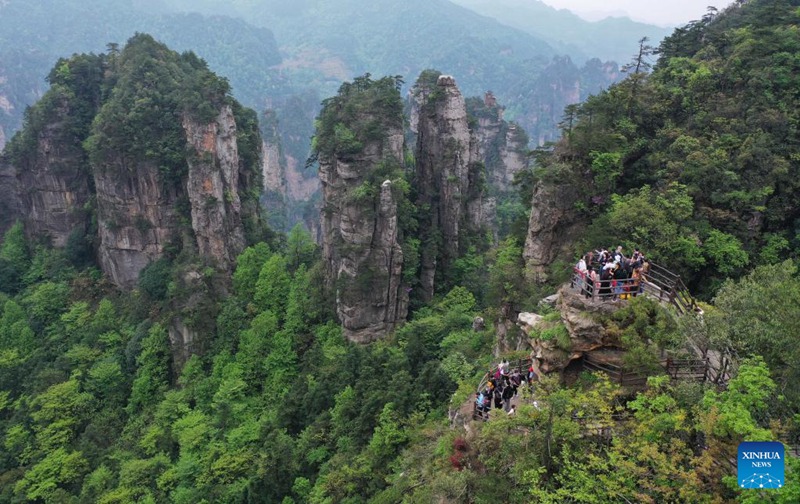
x=151 y=89
x=361 y=112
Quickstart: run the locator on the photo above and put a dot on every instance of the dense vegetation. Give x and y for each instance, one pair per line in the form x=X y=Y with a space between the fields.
x=695 y=163
x=278 y=405
x=279 y=408
x=224 y=42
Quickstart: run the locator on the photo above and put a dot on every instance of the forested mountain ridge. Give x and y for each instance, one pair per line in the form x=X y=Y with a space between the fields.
x=322 y=44
x=696 y=161
x=608 y=39
x=327 y=41
x=33 y=35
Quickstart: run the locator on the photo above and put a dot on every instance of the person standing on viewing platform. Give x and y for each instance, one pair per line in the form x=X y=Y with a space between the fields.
x=581 y=272
x=581 y=266
x=636 y=282
x=620 y=279
x=589 y=258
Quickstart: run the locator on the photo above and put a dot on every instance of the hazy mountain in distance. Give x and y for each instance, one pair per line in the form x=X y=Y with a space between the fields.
x=345 y=38
x=612 y=38
x=324 y=42
x=317 y=45
x=35 y=33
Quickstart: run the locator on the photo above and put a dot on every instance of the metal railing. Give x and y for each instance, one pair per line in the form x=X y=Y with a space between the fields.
x=658 y=283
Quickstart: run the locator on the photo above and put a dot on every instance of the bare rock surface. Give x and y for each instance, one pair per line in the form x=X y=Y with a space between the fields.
x=582 y=319
x=552 y=228
x=53 y=183
x=360 y=241
x=138 y=211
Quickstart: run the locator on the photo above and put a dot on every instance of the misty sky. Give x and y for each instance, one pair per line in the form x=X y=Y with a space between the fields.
x=660 y=12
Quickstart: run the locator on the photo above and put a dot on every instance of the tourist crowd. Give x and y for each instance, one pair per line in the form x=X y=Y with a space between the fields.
x=501 y=388
x=610 y=275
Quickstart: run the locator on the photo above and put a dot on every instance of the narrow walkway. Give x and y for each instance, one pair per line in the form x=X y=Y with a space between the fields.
x=658 y=283
x=667 y=288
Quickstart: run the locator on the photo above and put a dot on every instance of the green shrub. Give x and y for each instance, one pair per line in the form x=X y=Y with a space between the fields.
x=154 y=279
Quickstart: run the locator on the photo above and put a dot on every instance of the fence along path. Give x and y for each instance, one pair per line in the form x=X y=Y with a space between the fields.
x=658 y=283
x=668 y=289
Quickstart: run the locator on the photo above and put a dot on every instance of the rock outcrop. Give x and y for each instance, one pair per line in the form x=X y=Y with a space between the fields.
x=53 y=179
x=273 y=172
x=449 y=176
x=9 y=196
x=360 y=232
x=213 y=188
x=139 y=214
x=160 y=166
x=502 y=146
x=553 y=228
x=137 y=219
x=584 y=331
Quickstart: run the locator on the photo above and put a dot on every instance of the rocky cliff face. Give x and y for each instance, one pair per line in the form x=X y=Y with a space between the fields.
x=361 y=239
x=139 y=214
x=157 y=176
x=272 y=169
x=9 y=196
x=502 y=146
x=553 y=227
x=449 y=176
x=273 y=172
x=213 y=188
x=137 y=219
x=54 y=185
x=360 y=244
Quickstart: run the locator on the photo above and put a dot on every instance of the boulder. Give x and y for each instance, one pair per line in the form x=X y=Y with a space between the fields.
x=582 y=319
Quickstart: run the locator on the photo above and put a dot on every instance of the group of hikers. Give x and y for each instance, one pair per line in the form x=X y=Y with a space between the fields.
x=501 y=388
x=611 y=275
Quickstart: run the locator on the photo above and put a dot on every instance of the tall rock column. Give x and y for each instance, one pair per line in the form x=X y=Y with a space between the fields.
x=359 y=144
x=554 y=226
x=213 y=188
x=502 y=146
x=448 y=174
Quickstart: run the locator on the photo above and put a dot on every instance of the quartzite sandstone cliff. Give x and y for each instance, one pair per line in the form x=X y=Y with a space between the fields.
x=553 y=228
x=502 y=146
x=360 y=233
x=141 y=207
x=9 y=196
x=139 y=215
x=53 y=180
x=449 y=175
